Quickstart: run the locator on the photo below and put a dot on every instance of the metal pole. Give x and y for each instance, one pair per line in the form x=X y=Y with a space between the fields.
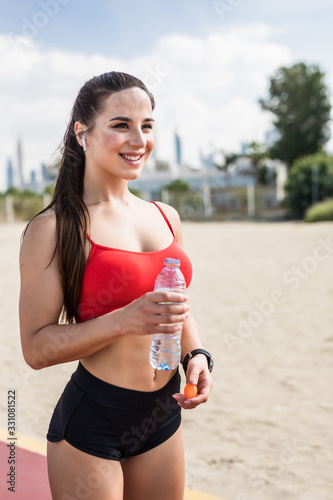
x=10 y=208
x=165 y=196
x=207 y=200
x=46 y=199
x=251 y=200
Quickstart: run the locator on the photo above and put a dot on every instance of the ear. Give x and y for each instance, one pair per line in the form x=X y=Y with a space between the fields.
x=79 y=130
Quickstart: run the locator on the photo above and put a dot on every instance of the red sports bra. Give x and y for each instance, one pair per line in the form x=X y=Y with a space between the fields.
x=113 y=277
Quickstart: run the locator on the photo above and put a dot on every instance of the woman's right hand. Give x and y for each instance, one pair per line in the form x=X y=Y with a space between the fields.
x=154 y=311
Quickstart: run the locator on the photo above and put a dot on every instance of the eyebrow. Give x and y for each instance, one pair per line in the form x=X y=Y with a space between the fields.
x=126 y=119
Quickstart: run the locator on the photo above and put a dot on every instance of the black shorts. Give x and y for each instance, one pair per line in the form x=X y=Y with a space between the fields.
x=112 y=422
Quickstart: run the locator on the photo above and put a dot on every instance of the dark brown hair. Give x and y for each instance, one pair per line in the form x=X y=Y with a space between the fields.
x=71 y=212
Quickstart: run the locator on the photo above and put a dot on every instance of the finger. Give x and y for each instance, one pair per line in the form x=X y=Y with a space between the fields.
x=171 y=308
x=180 y=398
x=197 y=374
x=168 y=297
x=198 y=400
x=186 y=404
x=164 y=319
x=157 y=320
x=168 y=329
x=204 y=391
x=193 y=376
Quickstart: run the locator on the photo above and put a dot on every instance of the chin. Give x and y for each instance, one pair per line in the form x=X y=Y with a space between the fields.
x=133 y=175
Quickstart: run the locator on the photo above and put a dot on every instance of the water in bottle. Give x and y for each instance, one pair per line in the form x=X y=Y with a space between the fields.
x=165 y=349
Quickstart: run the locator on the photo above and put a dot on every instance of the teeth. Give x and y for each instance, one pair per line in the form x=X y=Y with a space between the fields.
x=131 y=158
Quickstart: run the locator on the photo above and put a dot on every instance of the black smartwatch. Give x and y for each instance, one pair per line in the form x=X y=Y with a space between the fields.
x=191 y=355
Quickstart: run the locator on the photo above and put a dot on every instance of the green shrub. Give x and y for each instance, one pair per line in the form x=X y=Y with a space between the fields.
x=26 y=207
x=187 y=204
x=310 y=180
x=49 y=190
x=320 y=211
x=136 y=192
x=178 y=186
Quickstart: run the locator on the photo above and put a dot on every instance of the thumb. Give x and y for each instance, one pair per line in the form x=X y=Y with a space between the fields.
x=193 y=376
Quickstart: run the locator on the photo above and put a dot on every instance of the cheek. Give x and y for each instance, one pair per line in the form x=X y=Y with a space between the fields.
x=112 y=140
x=151 y=142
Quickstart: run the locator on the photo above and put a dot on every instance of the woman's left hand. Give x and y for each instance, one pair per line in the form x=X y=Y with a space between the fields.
x=198 y=374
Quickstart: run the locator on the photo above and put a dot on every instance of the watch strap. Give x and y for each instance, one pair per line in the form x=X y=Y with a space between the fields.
x=191 y=355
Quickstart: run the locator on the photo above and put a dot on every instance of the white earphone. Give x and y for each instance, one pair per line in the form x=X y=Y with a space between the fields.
x=84 y=145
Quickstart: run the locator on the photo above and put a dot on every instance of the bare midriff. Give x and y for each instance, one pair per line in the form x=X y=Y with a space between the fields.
x=125 y=364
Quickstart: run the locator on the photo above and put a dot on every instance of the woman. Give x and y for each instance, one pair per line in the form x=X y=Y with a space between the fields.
x=91 y=258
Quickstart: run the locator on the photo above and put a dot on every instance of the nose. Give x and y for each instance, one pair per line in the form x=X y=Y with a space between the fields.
x=137 y=138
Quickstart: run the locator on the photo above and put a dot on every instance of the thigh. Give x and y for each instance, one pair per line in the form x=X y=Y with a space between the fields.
x=75 y=475
x=157 y=474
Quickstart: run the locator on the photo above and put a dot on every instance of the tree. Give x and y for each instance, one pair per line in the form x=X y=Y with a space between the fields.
x=298 y=97
x=257 y=154
x=13 y=191
x=310 y=180
x=178 y=185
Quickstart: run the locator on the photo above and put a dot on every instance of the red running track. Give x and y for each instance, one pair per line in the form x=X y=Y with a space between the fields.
x=31 y=481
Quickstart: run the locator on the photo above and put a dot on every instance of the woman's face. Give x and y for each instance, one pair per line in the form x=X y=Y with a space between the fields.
x=122 y=139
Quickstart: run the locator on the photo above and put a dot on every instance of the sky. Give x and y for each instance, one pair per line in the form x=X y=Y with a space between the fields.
x=207 y=62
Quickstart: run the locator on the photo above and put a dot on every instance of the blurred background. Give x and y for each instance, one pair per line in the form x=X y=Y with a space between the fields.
x=244 y=144
x=243 y=93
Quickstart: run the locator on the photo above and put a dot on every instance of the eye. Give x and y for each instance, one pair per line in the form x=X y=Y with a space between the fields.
x=121 y=125
x=148 y=125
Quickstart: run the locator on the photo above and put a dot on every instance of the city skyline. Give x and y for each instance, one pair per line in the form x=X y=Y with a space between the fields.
x=34 y=180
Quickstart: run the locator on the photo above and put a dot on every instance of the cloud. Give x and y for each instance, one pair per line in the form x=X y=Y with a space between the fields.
x=211 y=87
x=206 y=87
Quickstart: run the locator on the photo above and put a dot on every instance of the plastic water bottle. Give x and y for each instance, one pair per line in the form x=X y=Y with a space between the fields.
x=165 y=349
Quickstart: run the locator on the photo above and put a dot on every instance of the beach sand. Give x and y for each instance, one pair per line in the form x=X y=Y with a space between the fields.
x=262 y=295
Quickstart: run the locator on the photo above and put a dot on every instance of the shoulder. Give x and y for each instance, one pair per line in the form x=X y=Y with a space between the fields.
x=173 y=218
x=170 y=212
x=39 y=238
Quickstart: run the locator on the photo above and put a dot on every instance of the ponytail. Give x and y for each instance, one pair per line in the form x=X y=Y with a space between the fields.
x=72 y=215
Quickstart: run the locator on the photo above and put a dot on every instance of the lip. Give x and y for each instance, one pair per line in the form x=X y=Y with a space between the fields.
x=133 y=153
x=132 y=162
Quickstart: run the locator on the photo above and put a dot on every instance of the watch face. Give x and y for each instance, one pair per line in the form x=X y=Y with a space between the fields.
x=211 y=364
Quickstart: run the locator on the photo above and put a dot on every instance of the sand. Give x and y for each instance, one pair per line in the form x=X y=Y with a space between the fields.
x=262 y=295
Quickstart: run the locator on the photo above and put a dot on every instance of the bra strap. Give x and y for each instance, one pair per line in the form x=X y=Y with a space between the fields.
x=91 y=241
x=165 y=218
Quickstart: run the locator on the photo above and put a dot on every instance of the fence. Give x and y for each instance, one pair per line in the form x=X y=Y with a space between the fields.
x=208 y=203
x=21 y=208
x=224 y=203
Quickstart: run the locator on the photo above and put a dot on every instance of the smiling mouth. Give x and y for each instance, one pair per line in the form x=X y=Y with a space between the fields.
x=132 y=157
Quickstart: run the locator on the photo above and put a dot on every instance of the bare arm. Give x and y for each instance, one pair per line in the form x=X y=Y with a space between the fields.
x=44 y=341
x=197 y=372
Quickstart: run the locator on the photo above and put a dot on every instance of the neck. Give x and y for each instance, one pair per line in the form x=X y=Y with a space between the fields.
x=101 y=190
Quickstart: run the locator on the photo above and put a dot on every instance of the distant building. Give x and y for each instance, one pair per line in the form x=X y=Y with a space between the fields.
x=20 y=164
x=10 y=175
x=270 y=137
x=153 y=179
x=244 y=148
x=49 y=174
x=178 y=149
x=33 y=185
x=158 y=173
x=213 y=182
